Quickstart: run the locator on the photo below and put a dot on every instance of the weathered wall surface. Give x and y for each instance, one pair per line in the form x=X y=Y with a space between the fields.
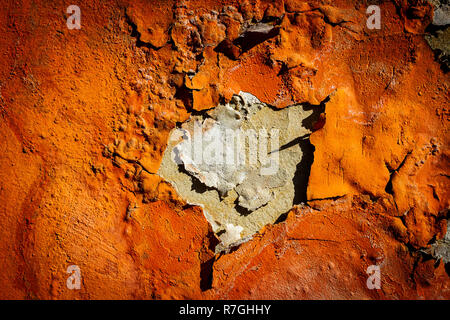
x=85 y=117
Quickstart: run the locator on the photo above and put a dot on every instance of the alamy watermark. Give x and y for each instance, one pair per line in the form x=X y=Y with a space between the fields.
x=234 y=148
x=374 y=279
x=74 y=280
x=374 y=20
x=74 y=20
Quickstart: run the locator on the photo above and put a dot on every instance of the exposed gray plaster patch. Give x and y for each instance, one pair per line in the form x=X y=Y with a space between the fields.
x=441 y=15
x=441 y=248
x=229 y=161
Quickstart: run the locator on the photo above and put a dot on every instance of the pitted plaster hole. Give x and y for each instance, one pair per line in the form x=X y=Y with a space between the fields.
x=240 y=163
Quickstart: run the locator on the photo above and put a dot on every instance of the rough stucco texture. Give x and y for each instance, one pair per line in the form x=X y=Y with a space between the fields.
x=86 y=114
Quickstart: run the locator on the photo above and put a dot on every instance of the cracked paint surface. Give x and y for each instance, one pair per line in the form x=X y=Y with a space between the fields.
x=85 y=121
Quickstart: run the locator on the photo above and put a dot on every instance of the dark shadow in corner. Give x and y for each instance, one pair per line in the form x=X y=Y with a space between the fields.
x=310 y=121
x=244 y=211
x=185 y=95
x=303 y=168
x=136 y=34
x=206 y=274
x=206 y=267
x=302 y=172
x=241 y=210
x=250 y=39
x=197 y=185
x=439 y=55
x=282 y=217
x=246 y=41
x=301 y=176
